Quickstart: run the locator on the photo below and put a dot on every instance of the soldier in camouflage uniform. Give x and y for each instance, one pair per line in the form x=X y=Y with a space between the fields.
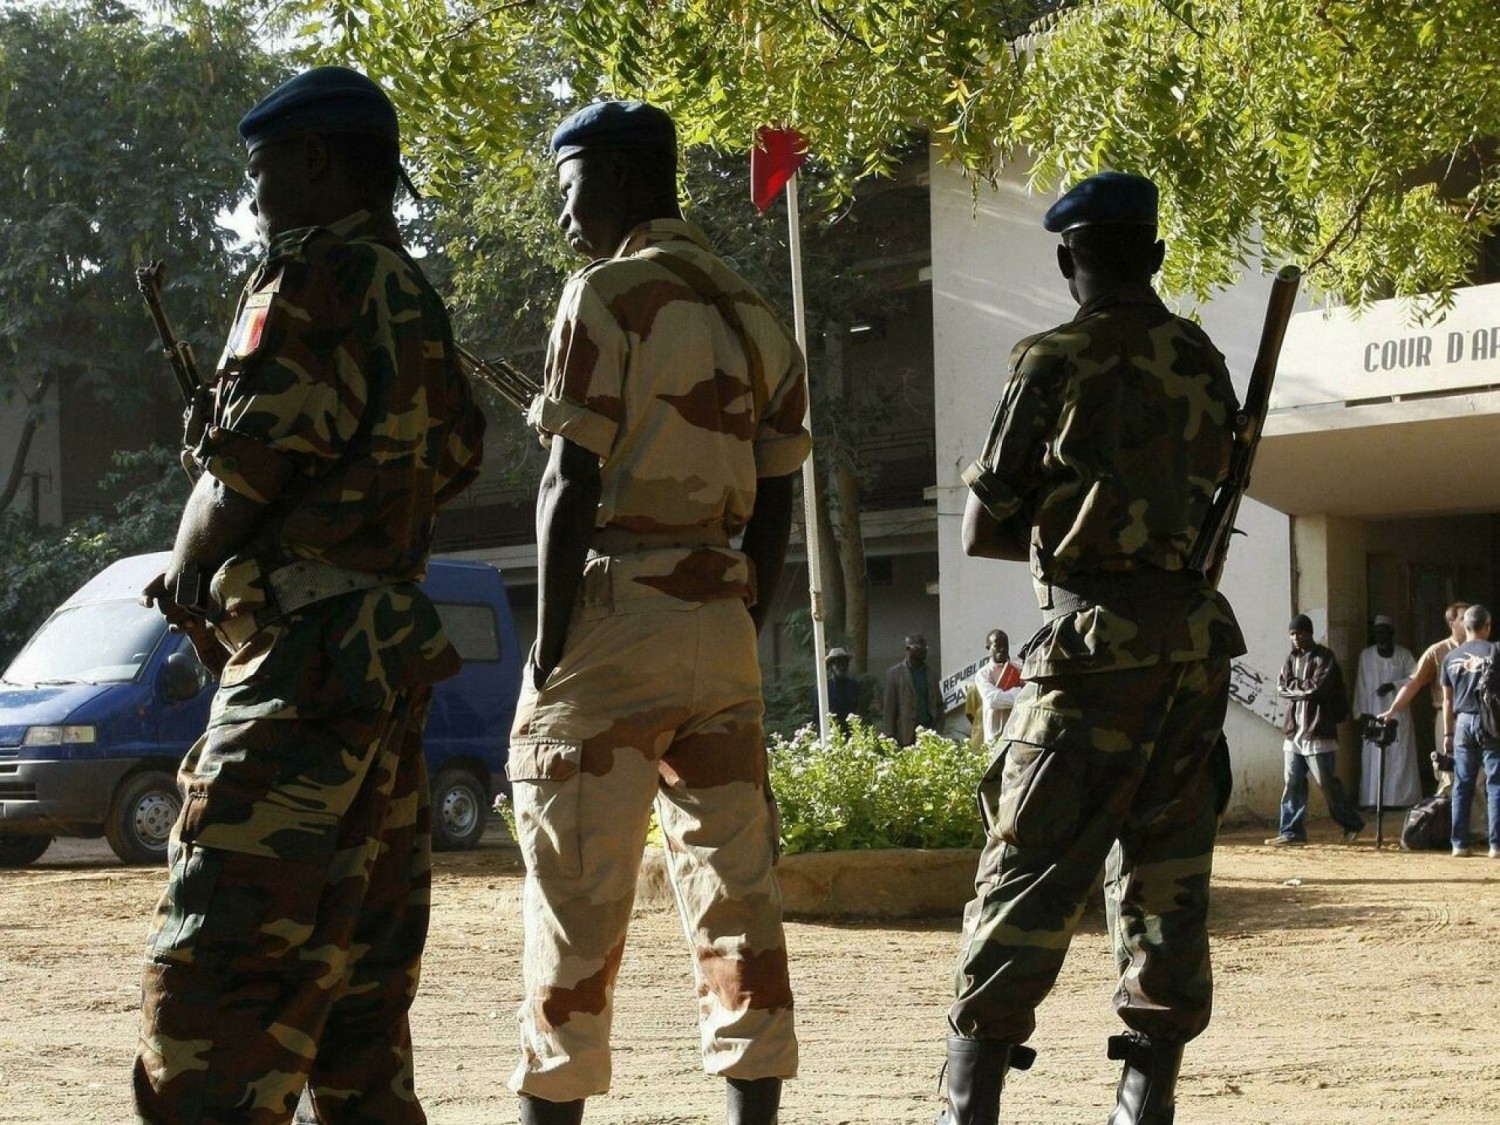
x=286 y=949
x=1109 y=440
x=673 y=411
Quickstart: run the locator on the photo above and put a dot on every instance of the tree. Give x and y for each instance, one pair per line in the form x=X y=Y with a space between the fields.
x=117 y=145
x=41 y=567
x=1352 y=136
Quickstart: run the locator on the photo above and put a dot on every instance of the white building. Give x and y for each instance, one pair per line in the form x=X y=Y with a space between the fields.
x=1373 y=490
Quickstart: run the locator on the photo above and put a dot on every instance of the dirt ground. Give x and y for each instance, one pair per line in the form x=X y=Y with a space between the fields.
x=1354 y=986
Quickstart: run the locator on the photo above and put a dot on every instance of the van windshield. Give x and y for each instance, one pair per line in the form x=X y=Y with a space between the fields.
x=103 y=643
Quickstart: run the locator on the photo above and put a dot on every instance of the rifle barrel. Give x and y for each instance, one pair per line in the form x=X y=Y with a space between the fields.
x=512 y=385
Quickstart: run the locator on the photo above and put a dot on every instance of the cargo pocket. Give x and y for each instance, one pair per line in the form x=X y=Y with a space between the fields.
x=545 y=787
x=1033 y=794
x=192 y=878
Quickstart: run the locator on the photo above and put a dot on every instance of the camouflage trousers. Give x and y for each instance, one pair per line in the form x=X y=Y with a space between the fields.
x=1089 y=762
x=281 y=958
x=663 y=705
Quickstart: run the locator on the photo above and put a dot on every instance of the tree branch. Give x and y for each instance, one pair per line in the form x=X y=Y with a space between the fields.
x=479 y=17
x=1351 y=227
x=1171 y=10
x=826 y=18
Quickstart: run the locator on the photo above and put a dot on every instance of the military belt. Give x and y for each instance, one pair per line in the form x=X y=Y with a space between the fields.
x=296 y=586
x=618 y=541
x=1130 y=593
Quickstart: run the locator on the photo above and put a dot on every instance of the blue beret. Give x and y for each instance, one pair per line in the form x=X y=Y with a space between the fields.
x=614 y=125
x=1109 y=197
x=326 y=99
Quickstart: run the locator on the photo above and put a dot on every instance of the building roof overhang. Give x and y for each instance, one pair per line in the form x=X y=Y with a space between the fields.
x=1395 y=459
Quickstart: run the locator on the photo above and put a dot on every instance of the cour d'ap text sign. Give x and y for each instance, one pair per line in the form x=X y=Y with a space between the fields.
x=1340 y=357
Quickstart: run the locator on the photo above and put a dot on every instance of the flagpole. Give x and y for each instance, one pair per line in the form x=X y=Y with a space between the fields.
x=809 y=469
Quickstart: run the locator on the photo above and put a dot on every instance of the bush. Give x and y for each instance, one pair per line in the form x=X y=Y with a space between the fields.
x=860 y=790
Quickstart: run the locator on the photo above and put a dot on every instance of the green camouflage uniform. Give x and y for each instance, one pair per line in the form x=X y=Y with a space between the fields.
x=1110 y=438
x=673 y=371
x=285 y=951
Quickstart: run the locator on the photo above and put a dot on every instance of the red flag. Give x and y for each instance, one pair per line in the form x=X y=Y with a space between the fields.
x=777 y=155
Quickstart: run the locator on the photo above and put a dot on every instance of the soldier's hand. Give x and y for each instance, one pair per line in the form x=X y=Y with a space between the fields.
x=211 y=653
x=158 y=595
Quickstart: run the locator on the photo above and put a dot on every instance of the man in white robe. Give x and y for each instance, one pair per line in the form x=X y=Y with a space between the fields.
x=1383 y=668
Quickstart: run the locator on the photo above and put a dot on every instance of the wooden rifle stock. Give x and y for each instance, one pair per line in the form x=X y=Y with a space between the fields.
x=514 y=386
x=1212 y=547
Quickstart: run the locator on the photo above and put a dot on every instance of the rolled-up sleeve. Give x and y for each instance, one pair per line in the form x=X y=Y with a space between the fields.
x=782 y=442
x=1008 y=468
x=586 y=361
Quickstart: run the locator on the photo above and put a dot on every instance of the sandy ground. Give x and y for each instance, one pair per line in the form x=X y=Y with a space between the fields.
x=1355 y=986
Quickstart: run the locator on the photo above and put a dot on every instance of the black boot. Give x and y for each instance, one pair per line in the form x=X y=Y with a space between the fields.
x=752 y=1101
x=539 y=1111
x=976 y=1075
x=1148 y=1083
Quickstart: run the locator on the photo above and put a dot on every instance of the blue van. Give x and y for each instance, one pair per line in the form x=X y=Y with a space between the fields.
x=103 y=702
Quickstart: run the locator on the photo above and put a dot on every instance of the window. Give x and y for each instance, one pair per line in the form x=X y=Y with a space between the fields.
x=472 y=630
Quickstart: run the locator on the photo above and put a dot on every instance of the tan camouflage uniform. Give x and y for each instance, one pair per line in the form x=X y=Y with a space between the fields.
x=286 y=949
x=658 y=692
x=1108 y=442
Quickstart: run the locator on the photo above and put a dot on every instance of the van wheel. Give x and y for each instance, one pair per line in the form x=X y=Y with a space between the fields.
x=140 y=821
x=459 y=808
x=18 y=851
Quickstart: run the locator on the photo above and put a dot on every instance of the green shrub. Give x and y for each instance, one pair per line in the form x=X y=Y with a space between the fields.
x=860 y=790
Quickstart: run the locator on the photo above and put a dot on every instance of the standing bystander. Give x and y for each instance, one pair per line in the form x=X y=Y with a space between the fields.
x=843 y=690
x=1463 y=734
x=913 y=696
x=1313 y=685
x=1427 y=675
x=996 y=686
x=1383 y=667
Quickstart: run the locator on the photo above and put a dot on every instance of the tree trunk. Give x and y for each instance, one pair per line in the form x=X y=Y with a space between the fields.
x=852 y=556
x=834 y=612
x=17 y=471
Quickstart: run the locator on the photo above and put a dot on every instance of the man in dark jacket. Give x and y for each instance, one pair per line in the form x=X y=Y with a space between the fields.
x=1313 y=687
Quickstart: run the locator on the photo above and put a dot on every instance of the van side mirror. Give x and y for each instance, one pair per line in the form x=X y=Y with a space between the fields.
x=182 y=677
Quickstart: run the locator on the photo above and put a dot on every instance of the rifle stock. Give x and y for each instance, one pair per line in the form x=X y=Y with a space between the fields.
x=1212 y=547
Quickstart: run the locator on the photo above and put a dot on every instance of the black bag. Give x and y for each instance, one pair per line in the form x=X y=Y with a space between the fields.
x=1488 y=692
x=1429 y=825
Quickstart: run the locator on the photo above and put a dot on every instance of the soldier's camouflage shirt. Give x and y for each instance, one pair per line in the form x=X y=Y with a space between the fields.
x=667 y=365
x=338 y=404
x=1109 y=440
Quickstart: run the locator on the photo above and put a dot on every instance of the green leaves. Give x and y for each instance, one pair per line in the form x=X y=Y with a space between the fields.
x=1267 y=123
x=117 y=145
x=861 y=790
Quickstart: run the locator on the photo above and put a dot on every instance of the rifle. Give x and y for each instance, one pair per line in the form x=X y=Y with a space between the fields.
x=514 y=386
x=179 y=355
x=1212 y=547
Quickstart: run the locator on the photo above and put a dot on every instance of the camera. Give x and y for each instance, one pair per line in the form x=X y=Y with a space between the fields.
x=1378 y=733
